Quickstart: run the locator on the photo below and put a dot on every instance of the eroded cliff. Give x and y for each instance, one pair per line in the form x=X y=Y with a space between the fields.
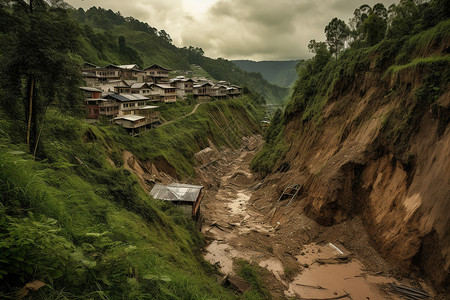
x=376 y=143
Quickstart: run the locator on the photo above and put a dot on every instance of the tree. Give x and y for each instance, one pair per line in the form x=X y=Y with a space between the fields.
x=122 y=44
x=402 y=19
x=321 y=58
x=336 y=32
x=130 y=55
x=374 y=28
x=38 y=54
x=165 y=36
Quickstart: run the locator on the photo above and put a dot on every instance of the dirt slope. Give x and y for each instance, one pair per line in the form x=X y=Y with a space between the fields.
x=348 y=167
x=241 y=220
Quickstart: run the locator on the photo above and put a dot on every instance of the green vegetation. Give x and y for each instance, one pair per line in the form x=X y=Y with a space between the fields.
x=274 y=147
x=410 y=38
x=175 y=110
x=281 y=73
x=101 y=30
x=222 y=122
x=400 y=125
x=87 y=229
x=252 y=273
x=71 y=215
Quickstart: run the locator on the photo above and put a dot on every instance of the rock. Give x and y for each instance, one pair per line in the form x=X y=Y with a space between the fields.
x=238 y=283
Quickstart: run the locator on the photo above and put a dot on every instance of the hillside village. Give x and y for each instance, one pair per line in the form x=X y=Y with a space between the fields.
x=125 y=95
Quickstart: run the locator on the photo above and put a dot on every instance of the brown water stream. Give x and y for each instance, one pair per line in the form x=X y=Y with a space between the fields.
x=237 y=229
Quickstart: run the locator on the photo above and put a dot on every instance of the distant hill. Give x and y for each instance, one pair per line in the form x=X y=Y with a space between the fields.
x=107 y=37
x=281 y=73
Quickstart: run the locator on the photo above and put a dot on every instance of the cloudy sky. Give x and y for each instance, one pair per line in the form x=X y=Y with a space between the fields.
x=239 y=29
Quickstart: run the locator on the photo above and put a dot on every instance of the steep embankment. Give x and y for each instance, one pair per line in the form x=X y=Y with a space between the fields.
x=372 y=139
x=80 y=220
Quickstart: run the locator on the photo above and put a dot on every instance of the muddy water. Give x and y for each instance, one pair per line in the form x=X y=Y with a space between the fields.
x=236 y=229
x=331 y=280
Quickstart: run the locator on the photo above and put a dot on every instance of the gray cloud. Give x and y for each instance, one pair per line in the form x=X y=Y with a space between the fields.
x=250 y=29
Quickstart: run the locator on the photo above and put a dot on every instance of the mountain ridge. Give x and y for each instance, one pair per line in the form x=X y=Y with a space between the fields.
x=279 y=72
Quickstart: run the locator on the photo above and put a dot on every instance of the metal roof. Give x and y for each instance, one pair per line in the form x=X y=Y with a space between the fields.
x=90 y=89
x=128 y=97
x=148 y=107
x=132 y=118
x=176 y=192
x=164 y=86
x=139 y=85
x=129 y=67
x=155 y=66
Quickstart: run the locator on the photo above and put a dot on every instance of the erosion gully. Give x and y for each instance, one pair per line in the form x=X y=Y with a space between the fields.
x=297 y=267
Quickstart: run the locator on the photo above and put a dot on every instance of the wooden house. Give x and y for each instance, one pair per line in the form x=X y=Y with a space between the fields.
x=88 y=72
x=219 y=92
x=142 y=88
x=163 y=92
x=128 y=103
x=156 y=74
x=202 y=91
x=93 y=74
x=234 y=91
x=184 y=86
x=92 y=99
x=132 y=123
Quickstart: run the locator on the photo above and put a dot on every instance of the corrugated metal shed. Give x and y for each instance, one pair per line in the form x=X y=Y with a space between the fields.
x=176 y=192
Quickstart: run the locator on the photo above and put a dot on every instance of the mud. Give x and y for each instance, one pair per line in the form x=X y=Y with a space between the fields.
x=242 y=222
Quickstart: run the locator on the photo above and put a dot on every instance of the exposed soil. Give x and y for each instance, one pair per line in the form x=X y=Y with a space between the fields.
x=303 y=259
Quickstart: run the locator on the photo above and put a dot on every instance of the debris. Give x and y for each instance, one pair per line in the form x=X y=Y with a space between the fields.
x=409 y=292
x=332 y=298
x=312 y=286
x=352 y=277
x=341 y=259
x=277 y=226
x=238 y=283
x=334 y=247
x=32 y=286
x=218 y=226
x=290 y=192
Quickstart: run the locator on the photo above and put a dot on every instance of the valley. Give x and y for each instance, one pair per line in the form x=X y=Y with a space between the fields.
x=134 y=166
x=295 y=254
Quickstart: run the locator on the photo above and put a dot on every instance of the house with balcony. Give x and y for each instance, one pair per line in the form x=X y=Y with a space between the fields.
x=92 y=99
x=202 y=91
x=234 y=91
x=156 y=74
x=163 y=92
x=128 y=103
x=184 y=86
x=94 y=75
x=219 y=92
x=125 y=87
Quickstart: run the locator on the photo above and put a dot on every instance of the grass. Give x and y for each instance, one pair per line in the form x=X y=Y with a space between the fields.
x=418 y=62
x=222 y=122
x=175 y=110
x=111 y=239
x=252 y=273
x=424 y=43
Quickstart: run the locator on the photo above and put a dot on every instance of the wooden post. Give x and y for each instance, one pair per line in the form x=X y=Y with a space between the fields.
x=30 y=111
